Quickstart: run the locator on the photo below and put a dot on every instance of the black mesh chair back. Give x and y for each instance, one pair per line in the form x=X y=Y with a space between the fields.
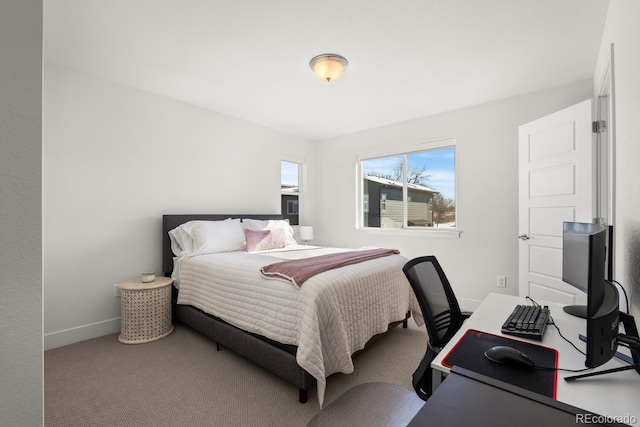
x=441 y=312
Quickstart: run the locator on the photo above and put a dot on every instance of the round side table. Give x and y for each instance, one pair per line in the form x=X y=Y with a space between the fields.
x=146 y=310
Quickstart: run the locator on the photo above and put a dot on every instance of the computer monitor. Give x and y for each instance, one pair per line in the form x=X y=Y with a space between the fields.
x=582 y=246
x=583 y=266
x=584 y=260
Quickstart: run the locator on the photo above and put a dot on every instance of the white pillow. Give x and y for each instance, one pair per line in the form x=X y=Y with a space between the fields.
x=207 y=237
x=218 y=236
x=271 y=224
x=181 y=241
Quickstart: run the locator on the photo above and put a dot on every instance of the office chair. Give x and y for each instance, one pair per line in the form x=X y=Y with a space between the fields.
x=384 y=404
x=441 y=312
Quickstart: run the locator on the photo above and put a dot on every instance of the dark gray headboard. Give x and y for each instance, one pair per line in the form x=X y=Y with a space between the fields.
x=169 y=222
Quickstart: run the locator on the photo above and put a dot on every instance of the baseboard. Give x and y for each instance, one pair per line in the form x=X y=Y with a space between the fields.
x=81 y=333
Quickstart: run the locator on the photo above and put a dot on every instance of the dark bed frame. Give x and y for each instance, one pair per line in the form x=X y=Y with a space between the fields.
x=276 y=357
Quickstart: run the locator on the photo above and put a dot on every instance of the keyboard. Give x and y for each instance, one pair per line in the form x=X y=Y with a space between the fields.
x=527 y=321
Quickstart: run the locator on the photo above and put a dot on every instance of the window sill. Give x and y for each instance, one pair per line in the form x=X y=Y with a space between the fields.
x=418 y=232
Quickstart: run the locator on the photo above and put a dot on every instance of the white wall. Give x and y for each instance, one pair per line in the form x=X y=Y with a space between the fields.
x=623 y=31
x=106 y=182
x=20 y=213
x=115 y=160
x=487 y=188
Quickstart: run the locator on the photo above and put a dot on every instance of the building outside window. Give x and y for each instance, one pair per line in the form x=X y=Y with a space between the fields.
x=407 y=189
x=292 y=207
x=290 y=191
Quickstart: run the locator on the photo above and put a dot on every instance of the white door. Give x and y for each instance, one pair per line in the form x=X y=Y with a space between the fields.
x=556 y=185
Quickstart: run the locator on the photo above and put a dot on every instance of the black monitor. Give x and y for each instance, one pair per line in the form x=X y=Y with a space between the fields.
x=584 y=265
x=587 y=255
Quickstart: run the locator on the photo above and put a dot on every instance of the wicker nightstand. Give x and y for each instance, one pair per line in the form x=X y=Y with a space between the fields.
x=146 y=310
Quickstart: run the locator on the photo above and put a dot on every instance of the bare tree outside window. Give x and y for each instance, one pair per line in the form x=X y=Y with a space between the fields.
x=444 y=210
x=418 y=175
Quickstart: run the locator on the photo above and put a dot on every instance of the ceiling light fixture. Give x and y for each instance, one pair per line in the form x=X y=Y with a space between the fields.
x=328 y=67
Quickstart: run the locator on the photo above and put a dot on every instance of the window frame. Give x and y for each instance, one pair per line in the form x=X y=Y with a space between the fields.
x=404 y=151
x=302 y=186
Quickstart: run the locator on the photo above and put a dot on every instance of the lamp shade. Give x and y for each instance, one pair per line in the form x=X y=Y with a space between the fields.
x=328 y=67
x=306 y=232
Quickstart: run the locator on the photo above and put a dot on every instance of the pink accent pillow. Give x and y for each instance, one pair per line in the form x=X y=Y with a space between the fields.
x=261 y=240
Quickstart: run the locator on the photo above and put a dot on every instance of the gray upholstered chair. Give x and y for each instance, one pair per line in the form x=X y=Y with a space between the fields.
x=369 y=405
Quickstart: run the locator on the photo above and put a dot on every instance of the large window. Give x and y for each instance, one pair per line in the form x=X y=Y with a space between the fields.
x=409 y=189
x=290 y=191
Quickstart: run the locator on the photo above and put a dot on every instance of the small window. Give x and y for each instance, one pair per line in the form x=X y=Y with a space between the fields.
x=383 y=202
x=412 y=189
x=290 y=191
x=292 y=207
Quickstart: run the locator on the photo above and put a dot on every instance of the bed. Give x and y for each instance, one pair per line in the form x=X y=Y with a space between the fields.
x=301 y=339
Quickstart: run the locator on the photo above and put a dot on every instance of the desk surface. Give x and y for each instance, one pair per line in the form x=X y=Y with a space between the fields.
x=470 y=399
x=614 y=394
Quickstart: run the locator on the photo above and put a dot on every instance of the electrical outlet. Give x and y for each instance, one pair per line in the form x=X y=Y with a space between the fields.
x=502 y=281
x=116 y=291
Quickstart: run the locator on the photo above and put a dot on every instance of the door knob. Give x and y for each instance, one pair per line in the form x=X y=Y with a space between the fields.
x=524 y=237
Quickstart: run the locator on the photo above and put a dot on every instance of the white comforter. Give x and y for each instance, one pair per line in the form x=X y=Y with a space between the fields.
x=329 y=318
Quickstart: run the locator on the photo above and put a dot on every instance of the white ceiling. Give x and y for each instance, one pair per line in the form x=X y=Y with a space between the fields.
x=250 y=58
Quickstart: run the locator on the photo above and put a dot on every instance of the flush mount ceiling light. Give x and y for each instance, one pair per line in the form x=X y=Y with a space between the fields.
x=328 y=67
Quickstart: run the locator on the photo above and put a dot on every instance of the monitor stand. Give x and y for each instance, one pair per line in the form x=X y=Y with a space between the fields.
x=632 y=341
x=576 y=310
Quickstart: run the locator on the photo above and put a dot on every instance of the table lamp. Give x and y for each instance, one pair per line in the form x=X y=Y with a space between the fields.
x=306 y=233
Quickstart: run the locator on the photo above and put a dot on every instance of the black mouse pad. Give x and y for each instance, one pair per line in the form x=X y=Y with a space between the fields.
x=469 y=353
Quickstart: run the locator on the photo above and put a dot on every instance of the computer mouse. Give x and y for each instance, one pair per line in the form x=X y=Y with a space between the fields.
x=509 y=356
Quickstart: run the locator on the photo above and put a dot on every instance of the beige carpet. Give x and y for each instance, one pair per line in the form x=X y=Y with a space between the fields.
x=182 y=380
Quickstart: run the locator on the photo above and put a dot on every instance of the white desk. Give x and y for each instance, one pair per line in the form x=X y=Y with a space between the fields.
x=614 y=394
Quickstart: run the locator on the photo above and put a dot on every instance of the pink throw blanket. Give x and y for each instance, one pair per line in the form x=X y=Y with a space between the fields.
x=299 y=270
